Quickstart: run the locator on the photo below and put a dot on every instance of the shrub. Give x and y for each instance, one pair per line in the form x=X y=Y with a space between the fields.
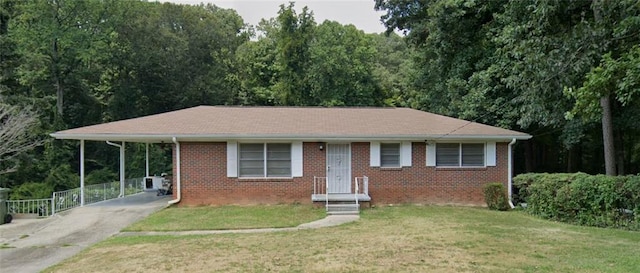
x=495 y=196
x=590 y=200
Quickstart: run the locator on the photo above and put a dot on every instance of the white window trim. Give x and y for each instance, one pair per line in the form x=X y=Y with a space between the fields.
x=264 y=145
x=489 y=155
x=375 y=154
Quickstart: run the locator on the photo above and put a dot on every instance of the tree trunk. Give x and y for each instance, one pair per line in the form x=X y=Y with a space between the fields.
x=607 y=117
x=607 y=136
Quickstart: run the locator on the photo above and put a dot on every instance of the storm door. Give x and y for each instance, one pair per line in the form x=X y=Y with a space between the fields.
x=339 y=168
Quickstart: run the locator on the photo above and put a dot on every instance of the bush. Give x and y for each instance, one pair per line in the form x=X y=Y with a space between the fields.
x=495 y=196
x=590 y=200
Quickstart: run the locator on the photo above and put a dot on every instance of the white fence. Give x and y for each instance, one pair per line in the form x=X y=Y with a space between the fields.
x=65 y=200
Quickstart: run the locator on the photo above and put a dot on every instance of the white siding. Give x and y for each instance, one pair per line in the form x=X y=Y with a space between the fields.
x=490 y=154
x=374 y=154
x=405 y=154
x=232 y=159
x=431 y=154
x=296 y=159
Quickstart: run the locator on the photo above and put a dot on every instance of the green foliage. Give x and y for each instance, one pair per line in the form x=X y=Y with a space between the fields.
x=495 y=195
x=101 y=176
x=62 y=178
x=591 y=200
x=31 y=190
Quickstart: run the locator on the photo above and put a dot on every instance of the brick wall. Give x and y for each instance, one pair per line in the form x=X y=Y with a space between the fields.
x=204 y=179
x=422 y=184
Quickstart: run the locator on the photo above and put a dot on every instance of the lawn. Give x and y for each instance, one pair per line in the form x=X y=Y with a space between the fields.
x=386 y=239
x=228 y=217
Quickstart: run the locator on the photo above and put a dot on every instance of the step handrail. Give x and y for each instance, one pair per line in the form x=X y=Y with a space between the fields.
x=357 y=189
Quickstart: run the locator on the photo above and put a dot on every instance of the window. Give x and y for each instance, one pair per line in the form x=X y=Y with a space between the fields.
x=460 y=154
x=265 y=160
x=390 y=154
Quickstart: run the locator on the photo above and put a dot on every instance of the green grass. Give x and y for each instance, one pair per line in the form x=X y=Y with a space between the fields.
x=385 y=239
x=228 y=217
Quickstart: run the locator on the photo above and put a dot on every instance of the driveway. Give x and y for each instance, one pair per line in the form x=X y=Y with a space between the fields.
x=31 y=245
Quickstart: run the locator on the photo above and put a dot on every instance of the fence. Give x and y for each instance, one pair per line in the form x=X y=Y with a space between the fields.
x=65 y=200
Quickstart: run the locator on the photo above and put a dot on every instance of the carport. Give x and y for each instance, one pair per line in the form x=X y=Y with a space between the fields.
x=112 y=134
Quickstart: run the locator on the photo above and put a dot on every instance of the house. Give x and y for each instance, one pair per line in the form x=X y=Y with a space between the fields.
x=241 y=155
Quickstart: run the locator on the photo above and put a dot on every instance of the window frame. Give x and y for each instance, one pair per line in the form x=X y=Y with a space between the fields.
x=399 y=155
x=265 y=160
x=460 y=154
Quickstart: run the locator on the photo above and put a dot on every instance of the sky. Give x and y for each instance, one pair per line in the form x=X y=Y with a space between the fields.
x=359 y=13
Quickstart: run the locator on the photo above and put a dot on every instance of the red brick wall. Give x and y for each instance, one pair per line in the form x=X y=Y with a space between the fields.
x=204 y=178
x=422 y=184
x=205 y=182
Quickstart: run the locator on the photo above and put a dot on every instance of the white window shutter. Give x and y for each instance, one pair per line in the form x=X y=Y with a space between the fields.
x=490 y=154
x=296 y=159
x=405 y=154
x=232 y=159
x=431 y=154
x=374 y=154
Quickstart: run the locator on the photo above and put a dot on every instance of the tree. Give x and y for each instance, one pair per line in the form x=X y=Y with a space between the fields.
x=16 y=138
x=293 y=39
x=507 y=63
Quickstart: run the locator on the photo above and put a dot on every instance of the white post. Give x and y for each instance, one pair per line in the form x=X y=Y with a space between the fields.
x=146 y=174
x=82 y=172
x=122 y=170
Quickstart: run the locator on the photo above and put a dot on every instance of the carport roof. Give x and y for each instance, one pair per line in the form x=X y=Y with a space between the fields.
x=210 y=123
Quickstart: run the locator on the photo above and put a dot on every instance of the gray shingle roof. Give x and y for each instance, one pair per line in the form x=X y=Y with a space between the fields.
x=208 y=123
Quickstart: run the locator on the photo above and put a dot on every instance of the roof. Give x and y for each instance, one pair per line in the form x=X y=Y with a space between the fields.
x=209 y=123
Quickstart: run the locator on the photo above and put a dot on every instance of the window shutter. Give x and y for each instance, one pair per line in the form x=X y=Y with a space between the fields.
x=431 y=154
x=296 y=159
x=232 y=159
x=405 y=154
x=374 y=154
x=490 y=154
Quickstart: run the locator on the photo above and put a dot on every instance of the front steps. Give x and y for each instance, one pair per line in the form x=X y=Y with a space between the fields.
x=343 y=208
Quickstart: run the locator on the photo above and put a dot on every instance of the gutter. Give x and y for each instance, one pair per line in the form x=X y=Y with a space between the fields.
x=510 y=171
x=178 y=192
x=122 y=166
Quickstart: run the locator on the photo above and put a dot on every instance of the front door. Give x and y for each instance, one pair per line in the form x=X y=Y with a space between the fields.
x=339 y=168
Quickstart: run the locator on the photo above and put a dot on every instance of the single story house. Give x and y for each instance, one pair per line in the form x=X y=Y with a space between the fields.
x=244 y=155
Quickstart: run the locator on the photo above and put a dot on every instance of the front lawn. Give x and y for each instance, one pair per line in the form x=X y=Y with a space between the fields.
x=228 y=217
x=389 y=239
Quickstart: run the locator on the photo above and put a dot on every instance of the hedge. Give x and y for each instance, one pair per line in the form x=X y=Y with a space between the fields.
x=495 y=195
x=579 y=198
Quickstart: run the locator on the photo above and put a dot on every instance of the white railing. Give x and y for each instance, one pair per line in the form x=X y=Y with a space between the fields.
x=356 y=190
x=41 y=207
x=362 y=185
x=320 y=185
x=65 y=200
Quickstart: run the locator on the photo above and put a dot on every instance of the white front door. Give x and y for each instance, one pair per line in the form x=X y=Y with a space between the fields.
x=339 y=168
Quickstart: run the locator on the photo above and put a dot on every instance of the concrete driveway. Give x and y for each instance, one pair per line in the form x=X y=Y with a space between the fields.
x=31 y=245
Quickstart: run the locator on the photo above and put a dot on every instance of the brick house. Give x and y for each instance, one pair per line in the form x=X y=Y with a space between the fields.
x=253 y=155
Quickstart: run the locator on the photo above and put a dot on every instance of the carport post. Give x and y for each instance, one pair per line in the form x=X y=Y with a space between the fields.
x=122 y=170
x=146 y=166
x=82 y=172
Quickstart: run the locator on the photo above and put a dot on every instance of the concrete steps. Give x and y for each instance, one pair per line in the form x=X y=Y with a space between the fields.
x=341 y=208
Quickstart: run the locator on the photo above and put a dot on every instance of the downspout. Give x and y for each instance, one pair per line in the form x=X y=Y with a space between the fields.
x=510 y=171
x=178 y=193
x=121 y=146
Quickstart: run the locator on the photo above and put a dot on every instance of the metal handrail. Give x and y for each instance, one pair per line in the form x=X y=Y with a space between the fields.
x=357 y=189
x=326 y=194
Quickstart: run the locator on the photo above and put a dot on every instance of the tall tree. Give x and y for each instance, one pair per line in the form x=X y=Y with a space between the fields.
x=294 y=37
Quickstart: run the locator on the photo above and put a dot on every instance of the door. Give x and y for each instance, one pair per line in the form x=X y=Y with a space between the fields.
x=339 y=168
